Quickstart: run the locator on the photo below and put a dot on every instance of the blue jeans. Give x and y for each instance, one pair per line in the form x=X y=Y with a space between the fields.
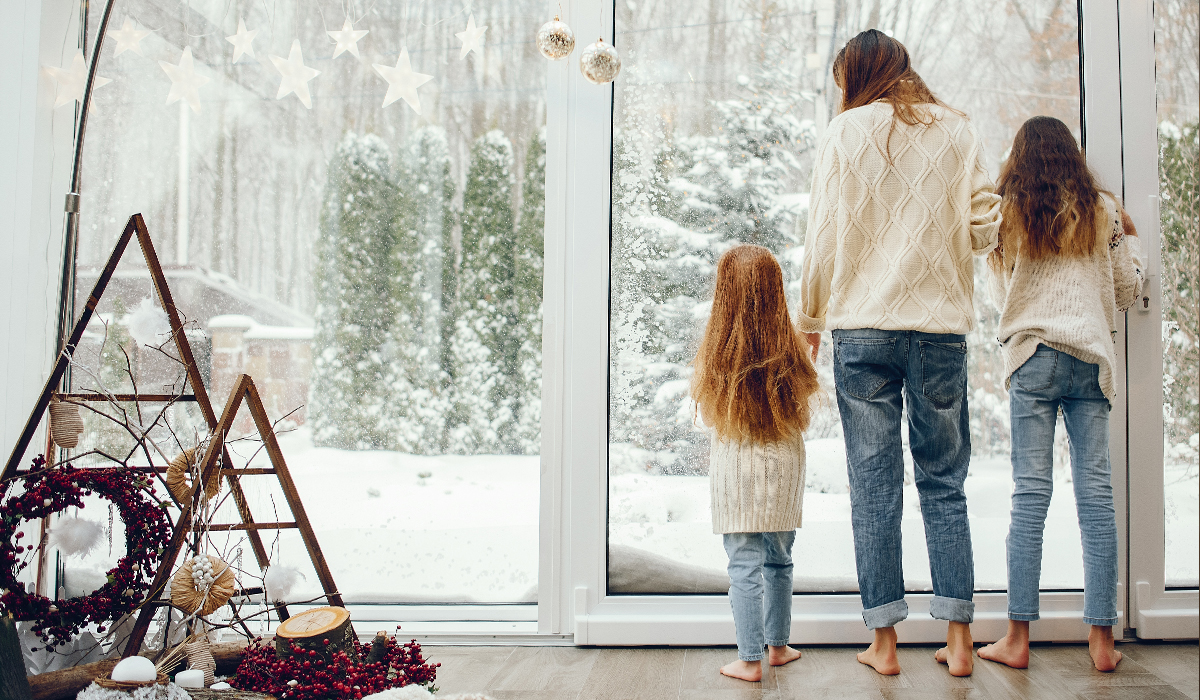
x=1046 y=382
x=879 y=374
x=759 y=560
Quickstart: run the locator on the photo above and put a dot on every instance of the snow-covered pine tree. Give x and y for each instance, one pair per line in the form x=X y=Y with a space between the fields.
x=484 y=347
x=355 y=298
x=527 y=288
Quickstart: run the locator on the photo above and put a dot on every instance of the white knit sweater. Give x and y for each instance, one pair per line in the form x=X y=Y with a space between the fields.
x=889 y=244
x=1070 y=303
x=756 y=487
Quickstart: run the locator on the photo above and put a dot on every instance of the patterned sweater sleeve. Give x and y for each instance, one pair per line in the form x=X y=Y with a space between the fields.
x=1128 y=269
x=820 y=241
x=985 y=204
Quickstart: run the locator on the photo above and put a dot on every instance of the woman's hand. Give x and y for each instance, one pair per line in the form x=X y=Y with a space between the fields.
x=814 y=342
x=1127 y=224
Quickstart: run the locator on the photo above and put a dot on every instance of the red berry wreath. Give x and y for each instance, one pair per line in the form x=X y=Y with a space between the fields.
x=47 y=491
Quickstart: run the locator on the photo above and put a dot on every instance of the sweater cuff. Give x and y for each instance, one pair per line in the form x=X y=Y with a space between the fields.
x=810 y=325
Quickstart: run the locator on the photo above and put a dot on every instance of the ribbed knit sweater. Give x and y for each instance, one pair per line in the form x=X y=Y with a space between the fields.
x=890 y=241
x=756 y=487
x=1070 y=303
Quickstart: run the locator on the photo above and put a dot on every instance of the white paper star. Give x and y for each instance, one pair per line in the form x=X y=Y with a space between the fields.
x=243 y=41
x=129 y=38
x=72 y=81
x=295 y=75
x=472 y=38
x=402 y=81
x=347 y=39
x=185 y=81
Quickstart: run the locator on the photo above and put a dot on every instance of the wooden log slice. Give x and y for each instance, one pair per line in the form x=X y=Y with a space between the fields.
x=311 y=629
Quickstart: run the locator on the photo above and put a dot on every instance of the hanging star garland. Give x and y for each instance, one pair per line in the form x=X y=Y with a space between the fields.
x=185 y=81
x=128 y=38
x=243 y=41
x=347 y=39
x=472 y=38
x=402 y=81
x=73 y=81
x=295 y=75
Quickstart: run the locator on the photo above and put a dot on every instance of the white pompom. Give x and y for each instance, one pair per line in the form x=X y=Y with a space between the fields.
x=76 y=536
x=148 y=324
x=280 y=580
x=135 y=668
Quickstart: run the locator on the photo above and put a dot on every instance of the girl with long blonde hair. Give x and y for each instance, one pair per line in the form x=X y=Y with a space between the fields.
x=753 y=383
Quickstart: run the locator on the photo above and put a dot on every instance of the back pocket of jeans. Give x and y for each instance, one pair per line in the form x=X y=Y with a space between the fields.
x=860 y=367
x=944 y=370
x=1037 y=374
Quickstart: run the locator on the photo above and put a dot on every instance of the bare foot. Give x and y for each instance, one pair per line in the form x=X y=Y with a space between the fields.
x=779 y=656
x=1013 y=649
x=743 y=670
x=881 y=655
x=1102 y=647
x=957 y=652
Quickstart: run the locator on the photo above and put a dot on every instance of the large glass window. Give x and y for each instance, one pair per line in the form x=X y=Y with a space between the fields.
x=1176 y=47
x=718 y=112
x=348 y=202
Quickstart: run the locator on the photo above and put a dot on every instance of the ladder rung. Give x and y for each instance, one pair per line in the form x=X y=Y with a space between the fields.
x=249 y=471
x=245 y=526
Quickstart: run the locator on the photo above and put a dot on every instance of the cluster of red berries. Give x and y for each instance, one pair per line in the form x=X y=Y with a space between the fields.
x=147 y=531
x=310 y=675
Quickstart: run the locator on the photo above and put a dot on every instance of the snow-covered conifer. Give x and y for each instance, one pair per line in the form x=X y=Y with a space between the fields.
x=530 y=253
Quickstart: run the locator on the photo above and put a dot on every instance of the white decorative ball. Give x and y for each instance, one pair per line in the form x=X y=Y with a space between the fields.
x=600 y=63
x=135 y=668
x=555 y=39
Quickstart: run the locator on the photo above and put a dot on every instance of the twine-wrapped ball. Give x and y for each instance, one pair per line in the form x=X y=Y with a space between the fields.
x=200 y=658
x=600 y=63
x=65 y=423
x=179 y=475
x=555 y=40
x=192 y=591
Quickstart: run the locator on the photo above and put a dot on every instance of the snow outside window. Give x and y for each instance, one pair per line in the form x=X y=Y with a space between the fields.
x=718 y=112
x=348 y=201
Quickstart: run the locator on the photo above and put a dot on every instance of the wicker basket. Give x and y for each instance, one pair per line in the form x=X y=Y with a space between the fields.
x=130 y=686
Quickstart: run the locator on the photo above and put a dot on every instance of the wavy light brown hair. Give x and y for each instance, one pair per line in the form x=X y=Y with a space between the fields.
x=1050 y=195
x=873 y=66
x=753 y=378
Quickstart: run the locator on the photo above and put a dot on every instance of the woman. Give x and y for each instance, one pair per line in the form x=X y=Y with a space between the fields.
x=900 y=203
x=1061 y=272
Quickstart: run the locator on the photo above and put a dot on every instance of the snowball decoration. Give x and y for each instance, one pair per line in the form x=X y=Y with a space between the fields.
x=192 y=678
x=279 y=581
x=555 y=40
x=135 y=668
x=600 y=63
x=76 y=536
x=148 y=324
x=220 y=686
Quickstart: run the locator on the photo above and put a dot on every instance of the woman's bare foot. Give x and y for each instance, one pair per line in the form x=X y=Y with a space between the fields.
x=1013 y=649
x=957 y=652
x=1102 y=647
x=881 y=655
x=778 y=656
x=743 y=670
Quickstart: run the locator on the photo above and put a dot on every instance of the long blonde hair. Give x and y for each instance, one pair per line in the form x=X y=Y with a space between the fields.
x=753 y=378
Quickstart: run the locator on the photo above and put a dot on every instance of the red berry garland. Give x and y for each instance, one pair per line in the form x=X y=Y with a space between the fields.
x=305 y=675
x=147 y=531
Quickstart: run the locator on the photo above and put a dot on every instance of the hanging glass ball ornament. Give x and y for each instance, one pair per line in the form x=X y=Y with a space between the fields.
x=555 y=39
x=600 y=63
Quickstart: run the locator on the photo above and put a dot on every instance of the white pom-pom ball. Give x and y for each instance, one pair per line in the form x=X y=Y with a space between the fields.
x=76 y=536
x=135 y=668
x=280 y=580
x=148 y=324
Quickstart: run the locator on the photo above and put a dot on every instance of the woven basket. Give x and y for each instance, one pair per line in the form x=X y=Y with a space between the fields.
x=185 y=595
x=179 y=478
x=65 y=423
x=130 y=686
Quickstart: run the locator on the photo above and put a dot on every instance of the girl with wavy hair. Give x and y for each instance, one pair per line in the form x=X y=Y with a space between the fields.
x=753 y=382
x=1064 y=268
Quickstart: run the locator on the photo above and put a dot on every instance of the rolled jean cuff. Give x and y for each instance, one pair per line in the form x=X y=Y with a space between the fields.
x=886 y=615
x=1102 y=621
x=1024 y=617
x=952 y=609
x=752 y=657
x=784 y=643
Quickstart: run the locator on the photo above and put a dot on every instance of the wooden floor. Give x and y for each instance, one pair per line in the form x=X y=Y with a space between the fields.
x=1148 y=672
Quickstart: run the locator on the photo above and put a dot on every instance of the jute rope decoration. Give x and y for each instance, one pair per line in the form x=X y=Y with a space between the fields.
x=65 y=423
x=179 y=478
x=200 y=658
x=203 y=584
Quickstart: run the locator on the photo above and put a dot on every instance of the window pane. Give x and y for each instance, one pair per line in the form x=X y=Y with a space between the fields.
x=718 y=112
x=1176 y=47
x=367 y=245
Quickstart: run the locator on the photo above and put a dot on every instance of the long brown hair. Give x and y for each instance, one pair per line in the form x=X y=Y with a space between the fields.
x=1050 y=196
x=753 y=377
x=873 y=66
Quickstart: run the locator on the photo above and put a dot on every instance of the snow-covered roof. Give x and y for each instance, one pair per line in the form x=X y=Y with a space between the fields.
x=231 y=321
x=258 y=331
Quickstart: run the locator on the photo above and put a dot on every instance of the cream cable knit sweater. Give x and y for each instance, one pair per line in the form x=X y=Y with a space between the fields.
x=1070 y=304
x=889 y=245
x=756 y=487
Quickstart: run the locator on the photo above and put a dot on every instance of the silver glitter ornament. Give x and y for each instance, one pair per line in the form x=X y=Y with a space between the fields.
x=555 y=39
x=600 y=63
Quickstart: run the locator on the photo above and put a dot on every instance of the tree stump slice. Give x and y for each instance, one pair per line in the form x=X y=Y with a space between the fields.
x=231 y=694
x=311 y=629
